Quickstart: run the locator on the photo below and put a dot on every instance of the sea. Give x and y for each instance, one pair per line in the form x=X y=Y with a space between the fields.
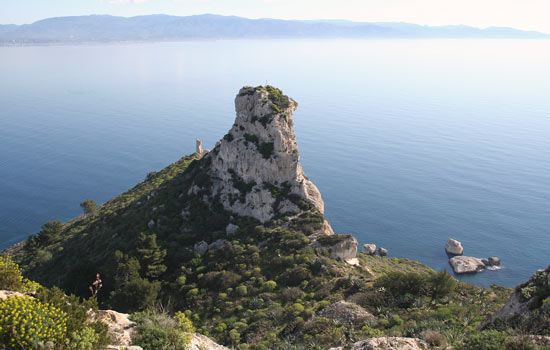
x=411 y=142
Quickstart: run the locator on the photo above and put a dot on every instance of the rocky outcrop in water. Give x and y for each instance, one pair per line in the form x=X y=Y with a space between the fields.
x=454 y=247
x=369 y=249
x=466 y=264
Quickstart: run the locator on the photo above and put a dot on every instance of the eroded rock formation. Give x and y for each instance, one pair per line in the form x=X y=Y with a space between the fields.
x=255 y=169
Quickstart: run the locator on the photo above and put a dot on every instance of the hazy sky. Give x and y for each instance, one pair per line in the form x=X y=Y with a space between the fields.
x=522 y=14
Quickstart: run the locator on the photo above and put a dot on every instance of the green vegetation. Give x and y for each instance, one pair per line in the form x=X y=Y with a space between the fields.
x=89 y=207
x=228 y=137
x=50 y=319
x=266 y=149
x=279 y=101
x=261 y=289
x=251 y=138
x=157 y=330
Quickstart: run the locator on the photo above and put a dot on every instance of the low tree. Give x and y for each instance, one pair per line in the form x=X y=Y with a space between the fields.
x=50 y=233
x=151 y=256
x=89 y=207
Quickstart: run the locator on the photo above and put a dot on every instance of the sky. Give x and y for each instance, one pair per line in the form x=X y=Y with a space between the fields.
x=521 y=14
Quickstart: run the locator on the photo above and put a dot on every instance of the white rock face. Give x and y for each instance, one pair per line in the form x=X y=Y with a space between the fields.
x=200 y=342
x=466 y=264
x=454 y=247
x=231 y=229
x=260 y=152
x=200 y=248
x=369 y=249
x=216 y=244
x=390 y=343
x=346 y=311
x=8 y=293
x=121 y=328
x=345 y=249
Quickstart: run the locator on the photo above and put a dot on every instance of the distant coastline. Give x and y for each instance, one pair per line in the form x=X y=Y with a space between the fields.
x=104 y=29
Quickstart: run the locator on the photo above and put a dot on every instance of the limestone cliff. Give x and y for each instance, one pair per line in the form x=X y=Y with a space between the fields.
x=255 y=169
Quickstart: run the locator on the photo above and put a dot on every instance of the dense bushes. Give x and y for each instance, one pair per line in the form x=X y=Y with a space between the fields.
x=157 y=330
x=27 y=323
x=50 y=319
x=401 y=284
x=10 y=275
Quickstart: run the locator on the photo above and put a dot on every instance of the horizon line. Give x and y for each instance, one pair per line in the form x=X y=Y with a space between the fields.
x=288 y=20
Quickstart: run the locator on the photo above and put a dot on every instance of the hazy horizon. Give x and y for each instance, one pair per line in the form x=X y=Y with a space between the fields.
x=528 y=15
x=336 y=20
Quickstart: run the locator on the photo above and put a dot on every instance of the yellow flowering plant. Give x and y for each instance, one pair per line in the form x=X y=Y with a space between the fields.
x=26 y=323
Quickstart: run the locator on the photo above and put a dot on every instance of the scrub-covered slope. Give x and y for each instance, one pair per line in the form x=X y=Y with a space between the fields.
x=236 y=238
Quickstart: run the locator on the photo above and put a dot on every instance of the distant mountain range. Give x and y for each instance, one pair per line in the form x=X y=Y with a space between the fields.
x=104 y=28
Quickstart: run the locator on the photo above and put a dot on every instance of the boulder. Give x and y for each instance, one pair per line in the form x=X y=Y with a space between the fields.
x=454 y=247
x=369 y=249
x=216 y=244
x=343 y=247
x=346 y=311
x=151 y=223
x=121 y=329
x=494 y=261
x=390 y=343
x=8 y=293
x=466 y=264
x=382 y=251
x=231 y=229
x=200 y=248
x=201 y=342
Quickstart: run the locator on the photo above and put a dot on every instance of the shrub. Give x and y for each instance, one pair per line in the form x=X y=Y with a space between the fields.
x=440 y=284
x=89 y=206
x=219 y=280
x=50 y=233
x=266 y=149
x=291 y=294
x=135 y=295
x=370 y=332
x=435 y=338
x=487 y=340
x=270 y=286
x=78 y=319
x=396 y=320
x=157 y=330
x=228 y=137
x=251 y=138
x=83 y=339
x=10 y=275
x=401 y=283
x=26 y=322
x=241 y=291
x=278 y=100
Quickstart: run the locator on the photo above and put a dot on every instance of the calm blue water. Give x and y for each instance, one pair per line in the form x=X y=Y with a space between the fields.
x=410 y=141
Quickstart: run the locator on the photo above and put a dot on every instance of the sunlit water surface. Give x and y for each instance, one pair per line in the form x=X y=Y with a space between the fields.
x=410 y=141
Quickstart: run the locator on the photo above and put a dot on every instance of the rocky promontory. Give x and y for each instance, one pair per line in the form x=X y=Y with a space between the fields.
x=255 y=169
